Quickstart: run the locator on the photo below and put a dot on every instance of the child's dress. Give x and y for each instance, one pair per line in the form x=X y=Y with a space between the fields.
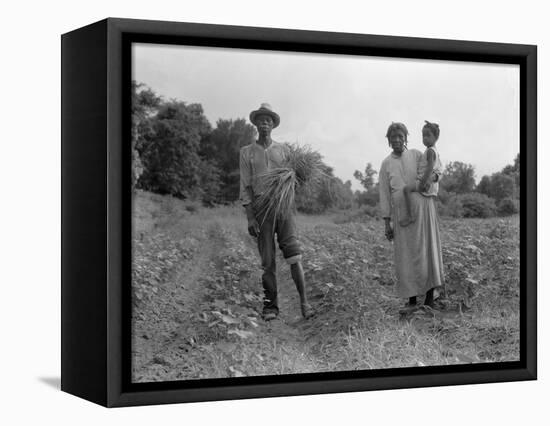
x=433 y=188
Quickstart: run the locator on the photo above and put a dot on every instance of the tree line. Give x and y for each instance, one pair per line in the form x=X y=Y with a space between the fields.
x=177 y=151
x=459 y=195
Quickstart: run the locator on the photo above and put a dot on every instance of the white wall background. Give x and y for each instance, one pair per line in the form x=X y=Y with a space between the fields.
x=30 y=213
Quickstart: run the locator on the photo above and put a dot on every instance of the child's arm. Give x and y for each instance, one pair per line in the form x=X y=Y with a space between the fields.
x=424 y=181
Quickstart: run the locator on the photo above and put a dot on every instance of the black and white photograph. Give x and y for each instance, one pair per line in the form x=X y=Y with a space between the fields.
x=289 y=213
x=298 y=213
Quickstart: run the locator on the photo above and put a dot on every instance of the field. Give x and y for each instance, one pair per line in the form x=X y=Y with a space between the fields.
x=197 y=297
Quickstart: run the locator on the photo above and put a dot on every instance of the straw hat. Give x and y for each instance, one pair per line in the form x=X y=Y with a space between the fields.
x=265 y=109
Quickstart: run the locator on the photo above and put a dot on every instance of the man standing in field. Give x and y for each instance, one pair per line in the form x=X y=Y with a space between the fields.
x=255 y=159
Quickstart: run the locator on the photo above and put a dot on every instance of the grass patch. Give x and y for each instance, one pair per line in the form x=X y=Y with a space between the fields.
x=350 y=275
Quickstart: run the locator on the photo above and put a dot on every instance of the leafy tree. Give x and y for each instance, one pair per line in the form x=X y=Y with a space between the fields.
x=458 y=177
x=367 y=178
x=371 y=195
x=484 y=185
x=144 y=100
x=513 y=171
x=170 y=152
x=331 y=193
x=209 y=183
x=443 y=195
x=508 y=206
x=315 y=199
x=339 y=193
x=451 y=206
x=472 y=204
x=503 y=184
x=144 y=103
x=477 y=205
x=222 y=147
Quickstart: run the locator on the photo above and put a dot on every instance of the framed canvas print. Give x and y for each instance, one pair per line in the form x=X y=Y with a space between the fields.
x=254 y=212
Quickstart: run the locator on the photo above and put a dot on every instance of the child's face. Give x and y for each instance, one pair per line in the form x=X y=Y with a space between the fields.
x=428 y=138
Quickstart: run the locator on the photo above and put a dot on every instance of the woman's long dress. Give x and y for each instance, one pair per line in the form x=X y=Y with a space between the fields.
x=417 y=247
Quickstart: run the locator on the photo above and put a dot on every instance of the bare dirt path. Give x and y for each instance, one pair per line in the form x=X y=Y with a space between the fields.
x=188 y=336
x=160 y=341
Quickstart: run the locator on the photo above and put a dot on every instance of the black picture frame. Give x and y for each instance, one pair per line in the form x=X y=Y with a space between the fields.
x=96 y=209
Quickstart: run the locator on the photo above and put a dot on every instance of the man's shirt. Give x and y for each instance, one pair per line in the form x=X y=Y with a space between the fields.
x=255 y=160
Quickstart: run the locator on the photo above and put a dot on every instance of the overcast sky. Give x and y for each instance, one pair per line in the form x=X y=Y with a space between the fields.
x=342 y=105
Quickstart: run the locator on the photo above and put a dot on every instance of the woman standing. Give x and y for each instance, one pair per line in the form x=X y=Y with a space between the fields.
x=417 y=247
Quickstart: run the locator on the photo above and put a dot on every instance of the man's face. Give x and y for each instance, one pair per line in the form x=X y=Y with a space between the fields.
x=264 y=124
x=397 y=141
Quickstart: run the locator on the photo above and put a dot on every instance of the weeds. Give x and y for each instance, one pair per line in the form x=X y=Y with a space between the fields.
x=217 y=331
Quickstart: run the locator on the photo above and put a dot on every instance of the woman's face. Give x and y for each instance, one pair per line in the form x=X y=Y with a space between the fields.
x=397 y=141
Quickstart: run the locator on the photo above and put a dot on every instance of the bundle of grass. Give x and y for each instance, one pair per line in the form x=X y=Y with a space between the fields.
x=304 y=169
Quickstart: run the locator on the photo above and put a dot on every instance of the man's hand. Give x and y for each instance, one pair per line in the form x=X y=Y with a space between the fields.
x=253 y=226
x=389 y=230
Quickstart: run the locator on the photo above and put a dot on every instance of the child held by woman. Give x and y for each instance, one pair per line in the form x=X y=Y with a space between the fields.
x=429 y=170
